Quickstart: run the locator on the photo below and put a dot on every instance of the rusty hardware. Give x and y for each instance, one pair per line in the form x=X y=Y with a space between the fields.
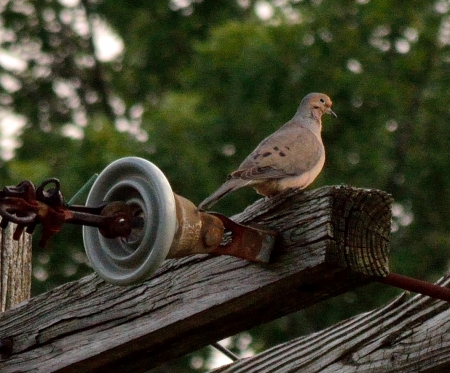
x=212 y=233
x=416 y=286
x=171 y=226
x=28 y=206
x=197 y=232
x=245 y=242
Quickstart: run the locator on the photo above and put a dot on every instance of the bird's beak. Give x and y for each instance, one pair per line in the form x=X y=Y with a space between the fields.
x=331 y=112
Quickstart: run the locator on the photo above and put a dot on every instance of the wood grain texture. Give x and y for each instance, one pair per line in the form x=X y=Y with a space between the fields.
x=91 y=326
x=406 y=335
x=15 y=268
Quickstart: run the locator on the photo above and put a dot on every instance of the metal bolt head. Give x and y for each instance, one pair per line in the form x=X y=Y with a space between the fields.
x=212 y=230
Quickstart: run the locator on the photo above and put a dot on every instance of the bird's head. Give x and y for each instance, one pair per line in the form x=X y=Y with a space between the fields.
x=317 y=104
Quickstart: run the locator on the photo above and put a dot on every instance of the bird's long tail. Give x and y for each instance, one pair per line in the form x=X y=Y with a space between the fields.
x=227 y=187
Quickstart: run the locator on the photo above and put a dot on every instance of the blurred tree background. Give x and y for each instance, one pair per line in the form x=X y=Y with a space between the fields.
x=194 y=85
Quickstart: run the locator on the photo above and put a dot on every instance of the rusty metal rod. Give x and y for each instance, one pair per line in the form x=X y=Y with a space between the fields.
x=416 y=286
x=83 y=218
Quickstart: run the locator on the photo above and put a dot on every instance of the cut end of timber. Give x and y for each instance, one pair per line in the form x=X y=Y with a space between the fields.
x=353 y=224
x=361 y=220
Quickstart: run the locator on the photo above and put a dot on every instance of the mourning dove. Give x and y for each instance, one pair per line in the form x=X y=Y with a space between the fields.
x=291 y=157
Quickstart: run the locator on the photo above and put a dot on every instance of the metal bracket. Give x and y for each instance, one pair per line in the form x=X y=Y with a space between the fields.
x=197 y=232
x=28 y=206
x=245 y=242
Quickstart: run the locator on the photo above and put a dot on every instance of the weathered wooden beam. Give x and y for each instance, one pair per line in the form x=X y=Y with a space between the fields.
x=15 y=268
x=91 y=326
x=406 y=335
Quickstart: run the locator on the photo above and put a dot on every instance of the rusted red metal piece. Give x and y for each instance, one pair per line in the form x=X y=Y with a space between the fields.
x=416 y=286
x=212 y=233
x=251 y=243
x=197 y=233
x=28 y=206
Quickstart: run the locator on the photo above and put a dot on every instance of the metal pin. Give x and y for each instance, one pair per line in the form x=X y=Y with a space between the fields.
x=225 y=351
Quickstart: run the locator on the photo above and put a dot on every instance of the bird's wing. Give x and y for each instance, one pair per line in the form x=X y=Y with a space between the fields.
x=288 y=152
x=257 y=173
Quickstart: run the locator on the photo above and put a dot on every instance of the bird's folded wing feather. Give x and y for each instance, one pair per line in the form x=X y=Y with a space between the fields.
x=291 y=153
x=255 y=173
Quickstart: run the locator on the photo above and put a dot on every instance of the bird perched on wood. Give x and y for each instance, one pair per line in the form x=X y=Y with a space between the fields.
x=291 y=157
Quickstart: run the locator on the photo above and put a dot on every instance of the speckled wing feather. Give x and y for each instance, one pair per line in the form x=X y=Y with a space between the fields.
x=284 y=153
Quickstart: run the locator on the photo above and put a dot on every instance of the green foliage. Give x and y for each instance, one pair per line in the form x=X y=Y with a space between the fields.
x=199 y=84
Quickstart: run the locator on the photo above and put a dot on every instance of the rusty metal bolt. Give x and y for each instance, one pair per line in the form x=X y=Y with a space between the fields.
x=212 y=230
x=116 y=220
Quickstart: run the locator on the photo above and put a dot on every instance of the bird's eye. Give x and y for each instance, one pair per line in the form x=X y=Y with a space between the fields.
x=322 y=100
